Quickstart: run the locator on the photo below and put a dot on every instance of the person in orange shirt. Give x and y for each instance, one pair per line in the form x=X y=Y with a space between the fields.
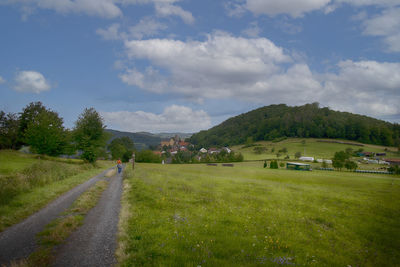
x=119 y=165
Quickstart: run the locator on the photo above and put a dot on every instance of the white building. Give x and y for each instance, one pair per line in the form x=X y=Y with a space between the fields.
x=306 y=158
x=203 y=150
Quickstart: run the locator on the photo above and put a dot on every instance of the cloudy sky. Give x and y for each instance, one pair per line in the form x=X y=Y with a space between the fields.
x=187 y=65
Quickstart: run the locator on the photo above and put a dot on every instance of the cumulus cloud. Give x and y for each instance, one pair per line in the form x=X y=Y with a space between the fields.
x=174 y=118
x=295 y=8
x=256 y=70
x=167 y=9
x=101 y=8
x=366 y=87
x=31 y=81
x=386 y=25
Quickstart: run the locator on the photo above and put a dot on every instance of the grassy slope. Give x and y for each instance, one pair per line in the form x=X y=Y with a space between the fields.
x=32 y=197
x=189 y=215
x=312 y=148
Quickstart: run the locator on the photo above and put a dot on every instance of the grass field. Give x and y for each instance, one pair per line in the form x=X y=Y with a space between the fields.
x=311 y=148
x=28 y=183
x=198 y=215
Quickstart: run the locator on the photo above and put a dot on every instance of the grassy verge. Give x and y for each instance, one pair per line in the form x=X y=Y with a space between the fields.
x=57 y=231
x=190 y=215
x=124 y=215
x=38 y=185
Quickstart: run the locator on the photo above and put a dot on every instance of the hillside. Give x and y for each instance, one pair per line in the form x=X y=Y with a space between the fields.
x=276 y=121
x=143 y=140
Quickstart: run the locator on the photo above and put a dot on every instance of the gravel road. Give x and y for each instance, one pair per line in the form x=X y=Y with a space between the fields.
x=94 y=243
x=19 y=241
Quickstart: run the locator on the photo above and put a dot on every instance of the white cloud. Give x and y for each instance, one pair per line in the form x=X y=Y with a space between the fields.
x=253 y=30
x=167 y=9
x=209 y=69
x=111 y=33
x=101 y=8
x=256 y=70
x=146 y=27
x=366 y=87
x=386 y=25
x=31 y=81
x=295 y=8
x=174 y=118
x=2 y=80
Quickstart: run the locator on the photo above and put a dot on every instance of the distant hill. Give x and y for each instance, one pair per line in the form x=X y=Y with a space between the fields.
x=277 y=121
x=143 y=140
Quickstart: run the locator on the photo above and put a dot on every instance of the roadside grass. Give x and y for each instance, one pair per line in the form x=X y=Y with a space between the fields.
x=58 y=230
x=24 y=192
x=310 y=148
x=12 y=161
x=191 y=215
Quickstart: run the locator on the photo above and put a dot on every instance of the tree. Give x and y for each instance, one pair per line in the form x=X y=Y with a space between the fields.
x=89 y=134
x=273 y=164
x=350 y=165
x=9 y=131
x=339 y=159
x=45 y=134
x=121 y=146
x=297 y=155
x=27 y=116
x=265 y=164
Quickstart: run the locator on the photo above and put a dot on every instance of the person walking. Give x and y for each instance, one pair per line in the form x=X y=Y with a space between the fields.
x=119 y=165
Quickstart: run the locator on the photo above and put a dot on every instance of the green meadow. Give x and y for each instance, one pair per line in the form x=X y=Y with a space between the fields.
x=199 y=215
x=311 y=148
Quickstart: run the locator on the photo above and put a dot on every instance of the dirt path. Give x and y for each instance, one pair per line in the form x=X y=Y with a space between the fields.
x=95 y=242
x=19 y=241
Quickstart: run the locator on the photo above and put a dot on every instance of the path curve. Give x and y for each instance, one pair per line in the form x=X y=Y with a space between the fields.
x=95 y=242
x=19 y=241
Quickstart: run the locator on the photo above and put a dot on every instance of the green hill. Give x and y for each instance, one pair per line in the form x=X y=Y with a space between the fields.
x=307 y=121
x=141 y=140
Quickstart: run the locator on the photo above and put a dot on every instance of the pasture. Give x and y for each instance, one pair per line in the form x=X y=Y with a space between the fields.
x=311 y=147
x=198 y=215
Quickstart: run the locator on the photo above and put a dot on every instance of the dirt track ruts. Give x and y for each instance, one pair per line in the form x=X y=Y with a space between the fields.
x=94 y=243
x=19 y=241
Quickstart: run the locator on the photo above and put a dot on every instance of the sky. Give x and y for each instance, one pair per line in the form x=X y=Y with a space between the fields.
x=187 y=65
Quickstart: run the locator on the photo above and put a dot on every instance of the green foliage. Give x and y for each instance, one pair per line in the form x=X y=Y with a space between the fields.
x=350 y=165
x=89 y=134
x=283 y=150
x=9 y=127
x=265 y=164
x=260 y=149
x=394 y=169
x=274 y=164
x=276 y=121
x=147 y=156
x=45 y=134
x=340 y=159
x=282 y=165
x=121 y=146
x=297 y=154
x=28 y=116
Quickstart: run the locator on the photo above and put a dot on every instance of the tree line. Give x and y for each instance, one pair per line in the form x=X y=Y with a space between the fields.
x=277 y=121
x=42 y=130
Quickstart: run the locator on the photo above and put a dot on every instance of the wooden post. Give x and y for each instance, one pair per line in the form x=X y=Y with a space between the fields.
x=133 y=160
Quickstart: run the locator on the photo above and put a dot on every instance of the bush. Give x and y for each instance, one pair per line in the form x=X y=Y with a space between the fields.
x=394 y=169
x=147 y=156
x=273 y=164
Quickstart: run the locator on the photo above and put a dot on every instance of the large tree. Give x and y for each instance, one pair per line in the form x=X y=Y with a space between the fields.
x=121 y=148
x=45 y=134
x=9 y=131
x=27 y=116
x=89 y=134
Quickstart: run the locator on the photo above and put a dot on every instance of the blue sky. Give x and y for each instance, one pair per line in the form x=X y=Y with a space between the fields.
x=185 y=65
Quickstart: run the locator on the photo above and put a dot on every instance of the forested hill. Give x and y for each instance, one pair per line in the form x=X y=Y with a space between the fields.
x=275 y=121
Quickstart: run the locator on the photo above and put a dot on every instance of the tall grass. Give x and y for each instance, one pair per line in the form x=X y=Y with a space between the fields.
x=37 y=175
x=191 y=215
